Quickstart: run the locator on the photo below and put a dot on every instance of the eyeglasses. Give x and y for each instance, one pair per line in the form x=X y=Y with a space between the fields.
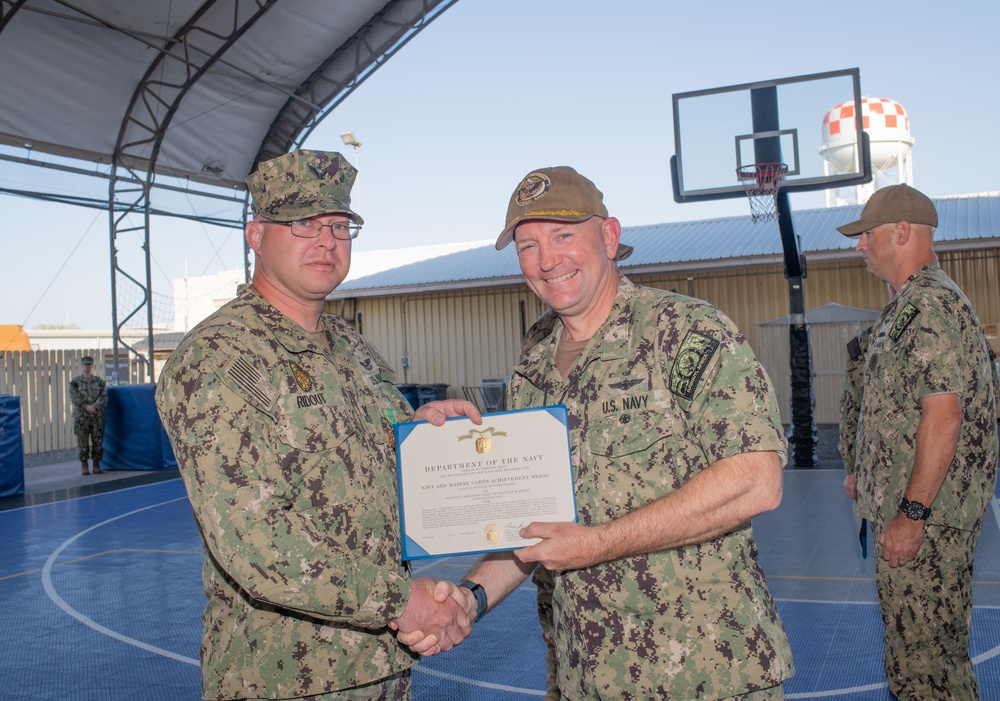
x=311 y=228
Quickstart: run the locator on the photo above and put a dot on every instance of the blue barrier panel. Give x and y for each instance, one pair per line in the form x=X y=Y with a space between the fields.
x=11 y=447
x=134 y=438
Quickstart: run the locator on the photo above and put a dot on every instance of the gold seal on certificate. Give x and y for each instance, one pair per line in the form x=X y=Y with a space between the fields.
x=467 y=488
x=492 y=534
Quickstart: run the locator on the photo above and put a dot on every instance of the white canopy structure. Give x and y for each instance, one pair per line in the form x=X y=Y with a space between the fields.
x=180 y=95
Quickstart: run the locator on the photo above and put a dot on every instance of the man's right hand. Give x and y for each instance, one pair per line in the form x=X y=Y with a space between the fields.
x=851 y=486
x=436 y=617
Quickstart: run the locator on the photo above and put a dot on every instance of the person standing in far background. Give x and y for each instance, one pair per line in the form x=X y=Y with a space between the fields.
x=89 y=395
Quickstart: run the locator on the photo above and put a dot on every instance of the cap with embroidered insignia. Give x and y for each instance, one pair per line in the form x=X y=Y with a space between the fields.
x=558 y=194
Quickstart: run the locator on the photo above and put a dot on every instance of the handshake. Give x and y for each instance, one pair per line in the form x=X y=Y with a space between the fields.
x=437 y=617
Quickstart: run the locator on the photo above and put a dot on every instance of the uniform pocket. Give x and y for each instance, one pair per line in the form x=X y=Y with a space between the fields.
x=313 y=428
x=628 y=432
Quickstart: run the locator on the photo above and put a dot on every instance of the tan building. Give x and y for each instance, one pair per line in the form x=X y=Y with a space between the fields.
x=457 y=316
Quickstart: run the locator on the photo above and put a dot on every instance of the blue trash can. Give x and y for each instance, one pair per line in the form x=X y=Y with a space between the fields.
x=430 y=393
x=410 y=392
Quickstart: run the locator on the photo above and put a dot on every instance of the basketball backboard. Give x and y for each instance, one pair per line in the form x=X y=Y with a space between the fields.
x=811 y=123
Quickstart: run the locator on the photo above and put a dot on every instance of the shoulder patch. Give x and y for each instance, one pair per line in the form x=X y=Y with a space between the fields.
x=256 y=388
x=905 y=317
x=696 y=351
x=854 y=348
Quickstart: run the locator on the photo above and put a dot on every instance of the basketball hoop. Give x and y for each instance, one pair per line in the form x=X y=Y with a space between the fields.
x=761 y=182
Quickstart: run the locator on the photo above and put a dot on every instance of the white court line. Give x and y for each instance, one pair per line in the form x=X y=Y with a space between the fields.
x=837 y=692
x=61 y=603
x=826 y=602
x=90 y=623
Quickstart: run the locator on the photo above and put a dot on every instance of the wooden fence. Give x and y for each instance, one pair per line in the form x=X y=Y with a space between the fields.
x=41 y=379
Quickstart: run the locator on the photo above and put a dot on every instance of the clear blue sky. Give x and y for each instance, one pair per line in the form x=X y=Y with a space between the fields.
x=493 y=89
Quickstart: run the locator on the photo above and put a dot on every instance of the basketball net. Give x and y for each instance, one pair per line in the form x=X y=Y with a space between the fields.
x=762 y=182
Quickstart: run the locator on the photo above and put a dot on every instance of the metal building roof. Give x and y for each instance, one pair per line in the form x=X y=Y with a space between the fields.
x=964 y=221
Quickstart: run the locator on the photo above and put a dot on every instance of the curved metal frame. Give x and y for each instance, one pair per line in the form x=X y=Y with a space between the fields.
x=154 y=103
x=130 y=194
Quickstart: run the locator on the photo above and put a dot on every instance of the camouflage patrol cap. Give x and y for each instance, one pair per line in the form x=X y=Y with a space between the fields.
x=557 y=194
x=303 y=184
x=890 y=205
x=86 y=360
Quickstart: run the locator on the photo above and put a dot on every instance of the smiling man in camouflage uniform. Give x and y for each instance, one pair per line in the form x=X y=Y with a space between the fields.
x=281 y=416
x=676 y=444
x=89 y=396
x=926 y=448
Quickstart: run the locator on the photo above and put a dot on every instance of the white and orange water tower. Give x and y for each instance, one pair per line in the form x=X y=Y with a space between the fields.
x=888 y=128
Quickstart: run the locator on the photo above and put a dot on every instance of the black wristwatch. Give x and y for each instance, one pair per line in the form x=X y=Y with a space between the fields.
x=477 y=591
x=914 y=510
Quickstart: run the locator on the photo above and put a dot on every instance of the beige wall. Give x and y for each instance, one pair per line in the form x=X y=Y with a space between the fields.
x=458 y=337
x=454 y=338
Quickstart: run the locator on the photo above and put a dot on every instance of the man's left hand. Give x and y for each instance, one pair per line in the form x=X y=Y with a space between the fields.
x=436 y=412
x=900 y=540
x=564 y=546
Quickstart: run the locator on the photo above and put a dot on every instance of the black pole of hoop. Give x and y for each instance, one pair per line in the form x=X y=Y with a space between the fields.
x=804 y=434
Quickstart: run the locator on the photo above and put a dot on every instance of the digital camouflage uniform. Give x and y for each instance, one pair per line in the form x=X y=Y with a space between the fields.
x=850 y=400
x=664 y=389
x=89 y=428
x=283 y=446
x=927 y=341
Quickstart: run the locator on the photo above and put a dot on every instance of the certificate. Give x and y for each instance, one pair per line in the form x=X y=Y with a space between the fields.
x=467 y=489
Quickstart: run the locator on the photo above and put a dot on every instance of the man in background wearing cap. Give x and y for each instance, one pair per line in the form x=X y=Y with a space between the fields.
x=676 y=444
x=281 y=418
x=926 y=448
x=89 y=396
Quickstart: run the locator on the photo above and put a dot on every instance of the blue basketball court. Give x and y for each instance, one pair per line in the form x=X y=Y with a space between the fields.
x=103 y=600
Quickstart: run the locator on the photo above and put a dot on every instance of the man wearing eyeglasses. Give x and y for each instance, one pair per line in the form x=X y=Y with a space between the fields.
x=281 y=417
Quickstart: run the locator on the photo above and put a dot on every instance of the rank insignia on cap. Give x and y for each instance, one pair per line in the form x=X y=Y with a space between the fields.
x=906 y=316
x=533 y=188
x=692 y=359
x=302 y=379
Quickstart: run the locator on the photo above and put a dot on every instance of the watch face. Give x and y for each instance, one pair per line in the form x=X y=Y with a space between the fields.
x=914 y=510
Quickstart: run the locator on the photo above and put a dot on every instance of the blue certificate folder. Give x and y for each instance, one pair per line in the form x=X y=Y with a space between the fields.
x=467 y=489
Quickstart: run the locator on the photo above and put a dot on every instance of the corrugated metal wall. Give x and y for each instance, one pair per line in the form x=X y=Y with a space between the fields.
x=829 y=358
x=456 y=338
